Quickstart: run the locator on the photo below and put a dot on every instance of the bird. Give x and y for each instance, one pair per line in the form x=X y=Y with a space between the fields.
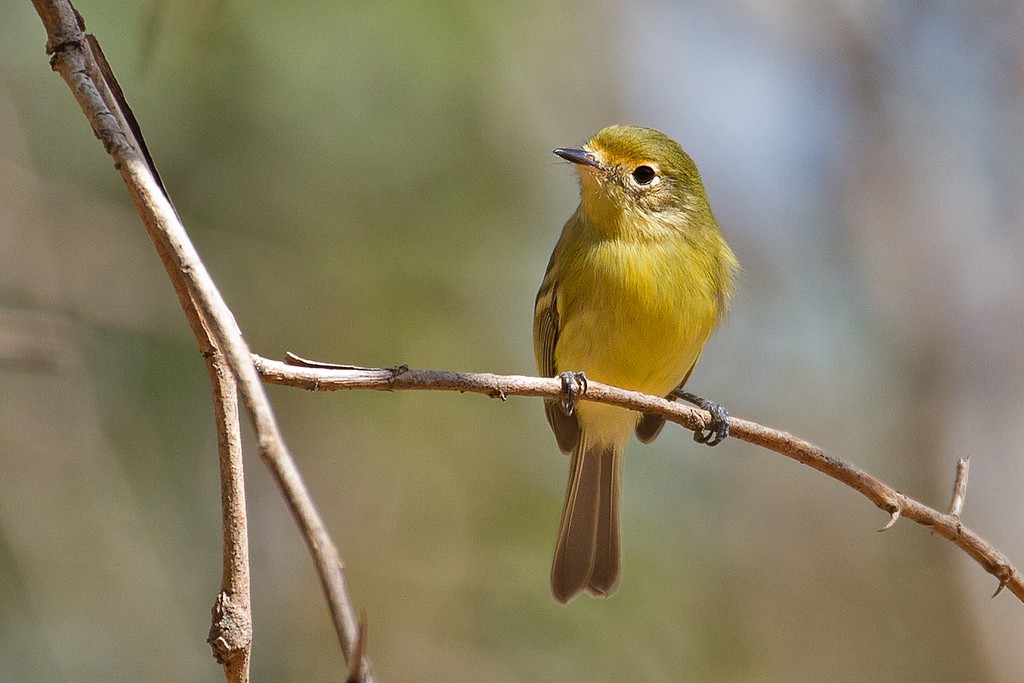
x=639 y=279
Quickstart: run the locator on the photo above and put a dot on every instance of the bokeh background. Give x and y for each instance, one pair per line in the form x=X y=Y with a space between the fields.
x=372 y=183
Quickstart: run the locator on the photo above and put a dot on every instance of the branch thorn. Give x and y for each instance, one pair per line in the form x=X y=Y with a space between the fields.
x=894 y=516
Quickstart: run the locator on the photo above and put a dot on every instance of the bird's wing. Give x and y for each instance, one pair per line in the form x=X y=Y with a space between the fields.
x=545 y=337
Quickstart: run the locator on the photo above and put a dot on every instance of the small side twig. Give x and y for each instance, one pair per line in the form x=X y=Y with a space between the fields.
x=896 y=504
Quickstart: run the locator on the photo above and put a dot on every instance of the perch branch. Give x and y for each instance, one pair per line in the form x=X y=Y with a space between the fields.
x=77 y=58
x=896 y=504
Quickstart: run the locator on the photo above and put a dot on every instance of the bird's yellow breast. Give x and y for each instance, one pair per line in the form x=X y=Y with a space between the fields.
x=635 y=314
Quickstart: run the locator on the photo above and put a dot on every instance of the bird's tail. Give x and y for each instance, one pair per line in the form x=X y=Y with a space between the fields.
x=587 y=552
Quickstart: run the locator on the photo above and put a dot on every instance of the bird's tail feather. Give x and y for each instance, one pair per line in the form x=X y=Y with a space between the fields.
x=587 y=552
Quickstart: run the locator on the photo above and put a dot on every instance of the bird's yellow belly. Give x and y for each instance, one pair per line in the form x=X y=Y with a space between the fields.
x=652 y=356
x=637 y=323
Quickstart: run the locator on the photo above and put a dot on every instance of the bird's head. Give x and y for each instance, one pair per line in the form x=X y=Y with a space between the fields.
x=629 y=173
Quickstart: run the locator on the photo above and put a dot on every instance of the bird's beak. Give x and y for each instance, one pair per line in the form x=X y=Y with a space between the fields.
x=578 y=156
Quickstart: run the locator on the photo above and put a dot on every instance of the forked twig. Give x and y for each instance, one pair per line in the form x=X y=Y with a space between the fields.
x=76 y=56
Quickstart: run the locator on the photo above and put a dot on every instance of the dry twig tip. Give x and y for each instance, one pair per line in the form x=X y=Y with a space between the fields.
x=959 y=487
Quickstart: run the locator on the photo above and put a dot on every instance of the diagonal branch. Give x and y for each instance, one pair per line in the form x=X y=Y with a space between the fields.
x=897 y=504
x=76 y=56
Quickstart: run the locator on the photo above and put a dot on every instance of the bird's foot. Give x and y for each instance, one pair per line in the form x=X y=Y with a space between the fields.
x=716 y=432
x=574 y=385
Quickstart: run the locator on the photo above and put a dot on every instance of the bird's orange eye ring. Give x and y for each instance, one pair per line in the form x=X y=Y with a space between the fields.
x=644 y=174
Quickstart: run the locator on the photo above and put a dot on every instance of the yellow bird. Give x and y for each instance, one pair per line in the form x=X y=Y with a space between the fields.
x=637 y=282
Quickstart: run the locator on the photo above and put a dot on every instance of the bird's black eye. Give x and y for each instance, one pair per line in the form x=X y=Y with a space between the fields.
x=643 y=174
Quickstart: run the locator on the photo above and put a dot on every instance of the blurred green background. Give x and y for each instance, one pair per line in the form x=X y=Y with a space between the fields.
x=372 y=183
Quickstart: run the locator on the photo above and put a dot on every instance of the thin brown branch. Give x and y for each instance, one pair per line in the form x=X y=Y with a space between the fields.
x=89 y=78
x=231 y=629
x=882 y=495
x=230 y=633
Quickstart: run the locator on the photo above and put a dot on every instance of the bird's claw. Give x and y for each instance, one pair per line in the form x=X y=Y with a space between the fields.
x=574 y=385
x=716 y=432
